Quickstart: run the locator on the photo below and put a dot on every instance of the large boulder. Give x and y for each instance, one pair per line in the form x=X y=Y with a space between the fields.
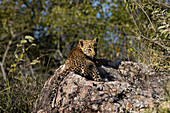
x=128 y=87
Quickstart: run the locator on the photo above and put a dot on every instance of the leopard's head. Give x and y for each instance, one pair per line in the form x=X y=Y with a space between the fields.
x=89 y=47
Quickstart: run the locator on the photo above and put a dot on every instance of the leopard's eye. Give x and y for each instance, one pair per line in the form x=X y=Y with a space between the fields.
x=89 y=49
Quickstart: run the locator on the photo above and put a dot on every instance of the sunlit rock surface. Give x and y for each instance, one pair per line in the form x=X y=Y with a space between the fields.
x=127 y=87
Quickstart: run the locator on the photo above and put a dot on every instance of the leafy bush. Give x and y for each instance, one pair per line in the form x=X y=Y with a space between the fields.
x=128 y=30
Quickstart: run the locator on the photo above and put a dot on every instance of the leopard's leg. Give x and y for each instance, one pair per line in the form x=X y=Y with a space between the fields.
x=93 y=71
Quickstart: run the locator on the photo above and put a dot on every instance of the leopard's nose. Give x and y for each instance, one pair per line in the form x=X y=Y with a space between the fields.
x=94 y=54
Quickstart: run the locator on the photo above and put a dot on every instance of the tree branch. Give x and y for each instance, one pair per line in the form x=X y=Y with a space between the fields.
x=163 y=46
x=5 y=54
x=133 y=20
x=160 y=3
x=146 y=15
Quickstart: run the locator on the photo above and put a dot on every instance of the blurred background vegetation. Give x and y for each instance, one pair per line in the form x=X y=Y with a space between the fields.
x=37 y=35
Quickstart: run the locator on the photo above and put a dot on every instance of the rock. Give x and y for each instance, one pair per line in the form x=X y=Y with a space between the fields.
x=130 y=87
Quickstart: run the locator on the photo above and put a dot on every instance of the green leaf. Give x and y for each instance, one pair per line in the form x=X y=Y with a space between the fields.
x=19 y=45
x=155 y=12
x=161 y=27
x=164 y=31
x=16 y=56
x=133 y=5
x=35 y=62
x=13 y=65
x=23 y=41
x=130 y=49
x=126 y=6
x=33 y=44
x=12 y=69
x=166 y=34
x=30 y=38
x=21 y=56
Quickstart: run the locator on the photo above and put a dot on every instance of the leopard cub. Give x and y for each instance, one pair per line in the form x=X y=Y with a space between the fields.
x=80 y=61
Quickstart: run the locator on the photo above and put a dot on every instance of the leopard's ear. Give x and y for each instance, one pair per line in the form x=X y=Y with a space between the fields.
x=81 y=42
x=96 y=40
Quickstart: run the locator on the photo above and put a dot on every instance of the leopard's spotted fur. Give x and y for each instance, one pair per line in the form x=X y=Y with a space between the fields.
x=80 y=61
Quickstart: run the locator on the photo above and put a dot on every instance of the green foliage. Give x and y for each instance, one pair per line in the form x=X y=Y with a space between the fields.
x=128 y=30
x=162 y=17
x=20 y=53
x=19 y=91
x=151 y=33
x=20 y=94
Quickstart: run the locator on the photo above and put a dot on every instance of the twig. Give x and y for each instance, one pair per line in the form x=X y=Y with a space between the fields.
x=21 y=34
x=48 y=64
x=3 y=71
x=30 y=66
x=134 y=20
x=146 y=15
x=160 y=3
x=163 y=46
x=3 y=60
x=10 y=42
x=5 y=54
